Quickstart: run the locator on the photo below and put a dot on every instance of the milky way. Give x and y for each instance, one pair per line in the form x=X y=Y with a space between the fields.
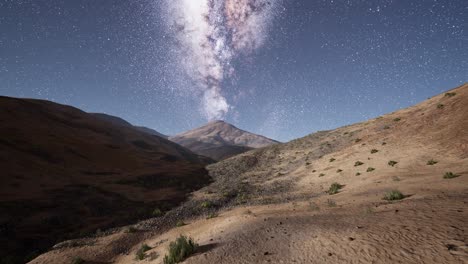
x=211 y=34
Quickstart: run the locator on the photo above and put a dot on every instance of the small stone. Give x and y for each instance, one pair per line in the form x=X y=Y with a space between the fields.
x=330 y=254
x=351 y=238
x=266 y=253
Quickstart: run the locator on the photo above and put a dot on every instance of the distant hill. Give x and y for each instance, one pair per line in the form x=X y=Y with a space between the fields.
x=119 y=121
x=66 y=173
x=220 y=140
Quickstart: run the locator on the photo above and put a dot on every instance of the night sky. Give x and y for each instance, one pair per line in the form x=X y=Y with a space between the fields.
x=283 y=69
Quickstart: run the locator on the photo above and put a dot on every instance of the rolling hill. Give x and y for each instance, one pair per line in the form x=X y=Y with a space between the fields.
x=66 y=173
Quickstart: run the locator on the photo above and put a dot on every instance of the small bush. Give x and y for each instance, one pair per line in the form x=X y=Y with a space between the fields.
x=339 y=170
x=331 y=203
x=141 y=253
x=332 y=159
x=180 y=250
x=334 y=188
x=321 y=174
x=313 y=170
x=313 y=206
x=131 y=230
x=431 y=162
x=180 y=223
x=77 y=260
x=157 y=212
x=206 y=204
x=440 y=106
x=450 y=175
x=212 y=215
x=357 y=140
x=358 y=163
x=392 y=163
x=393 y=195
x=386 y=127
x=374 y=151
x=397 y=119
x=370 y=169
x=358 y=173
x=384 y=143
x=450 y=94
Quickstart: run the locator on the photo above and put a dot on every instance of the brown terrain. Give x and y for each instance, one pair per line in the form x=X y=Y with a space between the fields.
x=66 y=174
x=273 y=205
x=220 y=140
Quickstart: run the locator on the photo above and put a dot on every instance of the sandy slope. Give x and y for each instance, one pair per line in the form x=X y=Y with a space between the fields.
x=286 y=216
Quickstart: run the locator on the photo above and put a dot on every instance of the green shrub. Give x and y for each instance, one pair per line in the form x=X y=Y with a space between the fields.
x=206 y=204
x=374 y=151
x=77 y=260
x=358 y=163
x=332 y=159
x=370 y=169
x=180 y=223
x=440 y=106
x=450 y=94
x=450 y=175
x=212 y=215
x=131 y=230
x=358 y=140
x=339 y=170
x=397 y=119
x=157 y=212
x=141 y=253
x=334 y=188
x=358 y=173
x=392 y=163
x=321 y=174
x=180 y=250
x=393 y=195
x=431 y=162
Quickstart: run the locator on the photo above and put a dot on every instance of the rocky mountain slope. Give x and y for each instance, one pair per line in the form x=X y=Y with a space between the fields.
x=220 y=140
x=119 y=121
x=66 y=173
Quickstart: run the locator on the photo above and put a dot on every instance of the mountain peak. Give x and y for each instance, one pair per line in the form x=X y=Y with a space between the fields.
x=216 y=137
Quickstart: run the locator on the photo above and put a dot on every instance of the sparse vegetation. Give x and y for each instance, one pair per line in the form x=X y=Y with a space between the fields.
x=384 y=143
x=358 y=173
x=386 y=127
x=397 y=119
x=370 y=169
x=393 y=195
x=373 y=151
x=392 y=163
x=131 y=230
x=450 y=175
x=450 y=94
x=357 y=140
x=334 y=188
x=339 y=170
x=313 y=170
x=157 y=212
x=180 y=223
x=358 y=163
x=432 y=162
x=331 y=203
x=440 y=106
x=180 y=250
x=332 y=159
x=141 y=253
x=369 y=210
x=206 y=204
x=212 y=215
x=77 y=260
x=321 y=174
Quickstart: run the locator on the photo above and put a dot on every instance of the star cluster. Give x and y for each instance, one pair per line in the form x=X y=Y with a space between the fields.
x=319 y=64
